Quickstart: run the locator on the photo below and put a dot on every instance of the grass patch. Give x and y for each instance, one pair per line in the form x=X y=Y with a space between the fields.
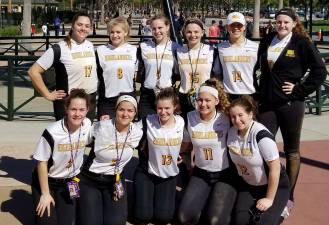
x=10 y=31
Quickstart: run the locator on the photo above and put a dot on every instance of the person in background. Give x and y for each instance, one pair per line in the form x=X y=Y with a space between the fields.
x=213 y=32
x=284 y=58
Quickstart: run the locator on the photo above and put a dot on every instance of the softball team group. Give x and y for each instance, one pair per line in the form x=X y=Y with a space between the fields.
x=220 y=125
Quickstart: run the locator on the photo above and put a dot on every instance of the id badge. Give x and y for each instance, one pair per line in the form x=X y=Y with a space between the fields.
x=73 y=188
x=119 y=191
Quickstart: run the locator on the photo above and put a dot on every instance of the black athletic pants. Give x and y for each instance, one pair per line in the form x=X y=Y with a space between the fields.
x=96 y=204
x=59 y=108
x=208 y=195
x=146 y=104
x=289 y=118
x=154 y=198
x=64 y=212
x=245 y=213
x=185 y=105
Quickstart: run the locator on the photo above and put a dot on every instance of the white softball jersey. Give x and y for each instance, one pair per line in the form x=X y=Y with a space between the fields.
x=107 y=150
x=208 y=140
x=201 y=65
x=77 y=66
x=237 y=64
x=168 y=64
x=55 y=147
x=249 y=156
x=276 y=47
x=163 y=146
x=118 y=67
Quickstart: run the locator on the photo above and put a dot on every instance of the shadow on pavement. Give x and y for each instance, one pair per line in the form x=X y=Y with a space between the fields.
x=18 y=169
x=20 y=206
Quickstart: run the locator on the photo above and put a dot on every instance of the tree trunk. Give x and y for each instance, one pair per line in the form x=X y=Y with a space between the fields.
x=26 y=23
x=280 y=4
x=255 y=29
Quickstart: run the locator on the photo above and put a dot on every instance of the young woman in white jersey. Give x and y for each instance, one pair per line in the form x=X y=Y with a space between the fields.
x=238 y=57
x=75 y=67
x=116 y=67
x=60 y=155
x=103 y=198
x=263 y=189
x=196 y=64
x=209 y=196
x=156 y=175
x=157 y=64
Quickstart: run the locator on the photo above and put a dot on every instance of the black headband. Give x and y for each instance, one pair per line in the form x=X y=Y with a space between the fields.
x=195 y=21
x=288 y=12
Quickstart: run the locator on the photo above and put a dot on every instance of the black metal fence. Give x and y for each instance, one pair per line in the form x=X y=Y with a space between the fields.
x=16 y=58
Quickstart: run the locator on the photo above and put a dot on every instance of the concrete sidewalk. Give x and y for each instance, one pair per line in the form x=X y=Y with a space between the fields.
x=18 y=139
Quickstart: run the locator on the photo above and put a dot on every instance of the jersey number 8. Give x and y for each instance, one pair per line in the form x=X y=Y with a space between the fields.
x=88 y=70
x=119 y=73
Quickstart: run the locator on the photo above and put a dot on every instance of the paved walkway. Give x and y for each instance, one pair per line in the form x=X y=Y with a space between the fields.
x=18 y=139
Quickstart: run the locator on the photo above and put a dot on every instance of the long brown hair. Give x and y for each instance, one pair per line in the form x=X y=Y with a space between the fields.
x=68 y=37
x=299 y=28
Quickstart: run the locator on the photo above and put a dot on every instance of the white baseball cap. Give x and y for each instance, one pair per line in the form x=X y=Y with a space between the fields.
x=235 y=17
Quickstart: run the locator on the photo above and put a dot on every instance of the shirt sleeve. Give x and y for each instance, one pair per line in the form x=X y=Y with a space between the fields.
x=47 y=59
x=268 y=149
x=43 y=150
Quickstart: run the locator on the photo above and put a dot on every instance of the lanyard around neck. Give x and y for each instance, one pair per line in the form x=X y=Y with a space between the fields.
x=73 y=157
x=156 y=58
x=118 y=159
x=191 y=64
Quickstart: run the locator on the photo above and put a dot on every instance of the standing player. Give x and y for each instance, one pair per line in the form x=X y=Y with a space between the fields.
x=196 y=64
x=60 y=155
x=116 y=67
x=75 y=66
x=209 y=192
x=285 y=56
x=156 y=177
x=263 y=189
x=157 y=63
x=103 y=199
x=238 y=57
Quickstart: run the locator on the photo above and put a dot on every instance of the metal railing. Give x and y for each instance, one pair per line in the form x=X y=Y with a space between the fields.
x=17 y=66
